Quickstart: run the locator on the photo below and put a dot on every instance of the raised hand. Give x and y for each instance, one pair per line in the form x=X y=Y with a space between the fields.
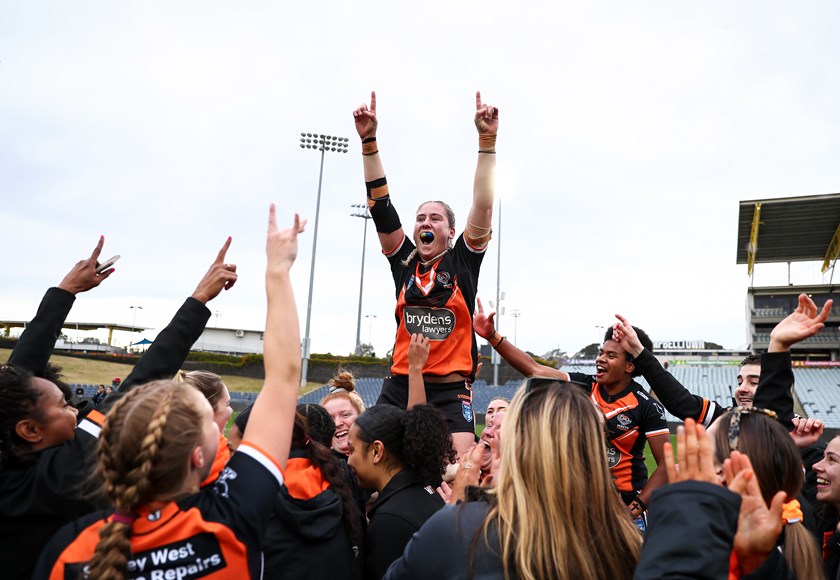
x=486 y=117
x=83 y=276
x=806 y=431
x=365 y=118
x=694 y=455
x=418 y=351
x=625 y=335
x=759 y=525
x=469 y=473
x=281 y=245
x=220 y=276
x=800 y=324
x=484 y=326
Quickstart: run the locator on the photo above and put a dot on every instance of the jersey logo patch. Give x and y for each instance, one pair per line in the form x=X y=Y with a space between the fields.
x=624 y=421
x=613 y=455
x=434 y=323
x=466 y=411
x=660 y=410
x=221 y=485
x=444 y=279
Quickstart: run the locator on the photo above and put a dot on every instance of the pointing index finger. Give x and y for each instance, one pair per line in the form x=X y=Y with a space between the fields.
x=478 y=100
x=221 y=257
x=373 y=101
x=272 y=219
x=98 y=249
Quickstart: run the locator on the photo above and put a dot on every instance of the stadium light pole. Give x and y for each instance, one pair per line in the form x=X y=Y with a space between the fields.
x=370 y=318
x=516 y=313
x=363 y=212
x=134 y=318
x=496 y=356
x=322 y=143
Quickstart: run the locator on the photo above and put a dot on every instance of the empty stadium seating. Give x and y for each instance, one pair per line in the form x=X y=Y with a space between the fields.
x=818 y=389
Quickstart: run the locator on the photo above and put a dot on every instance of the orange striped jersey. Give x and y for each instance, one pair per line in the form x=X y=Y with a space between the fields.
x=437 y=302
x=214 y=533
x=219 y=462
x=632 y=417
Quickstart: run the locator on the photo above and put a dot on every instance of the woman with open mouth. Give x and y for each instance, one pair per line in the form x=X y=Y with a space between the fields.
x=344 y=405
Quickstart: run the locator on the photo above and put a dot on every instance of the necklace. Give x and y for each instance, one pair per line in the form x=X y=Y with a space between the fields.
x=435 y=259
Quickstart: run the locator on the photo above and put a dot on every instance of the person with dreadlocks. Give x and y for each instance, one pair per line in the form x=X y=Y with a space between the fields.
x=436 y=276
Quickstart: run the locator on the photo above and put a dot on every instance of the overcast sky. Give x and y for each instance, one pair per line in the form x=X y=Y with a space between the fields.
x=629 y=131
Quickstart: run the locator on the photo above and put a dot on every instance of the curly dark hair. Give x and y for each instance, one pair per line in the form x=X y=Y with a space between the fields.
x=643 y=338
x=18 y=400
x=418 y=438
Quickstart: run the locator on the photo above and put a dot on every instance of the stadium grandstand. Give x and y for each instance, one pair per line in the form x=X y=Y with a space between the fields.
x=783 y=230
x=786 y=230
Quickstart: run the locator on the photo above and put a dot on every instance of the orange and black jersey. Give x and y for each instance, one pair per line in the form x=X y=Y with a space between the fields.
x=438 y=302
x=632 y=417
x=215 y=533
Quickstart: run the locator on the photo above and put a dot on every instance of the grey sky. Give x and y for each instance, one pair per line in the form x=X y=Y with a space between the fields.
x=628 y=133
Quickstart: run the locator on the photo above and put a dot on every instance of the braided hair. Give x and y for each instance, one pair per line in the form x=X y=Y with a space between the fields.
x=143 y=455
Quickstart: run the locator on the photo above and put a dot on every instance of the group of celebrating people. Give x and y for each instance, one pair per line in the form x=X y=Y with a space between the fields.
x=148 y=484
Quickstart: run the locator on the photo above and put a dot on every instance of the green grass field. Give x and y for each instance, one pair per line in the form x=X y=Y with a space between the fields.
x=94 y=372
x=76 y=370
x=649 y=461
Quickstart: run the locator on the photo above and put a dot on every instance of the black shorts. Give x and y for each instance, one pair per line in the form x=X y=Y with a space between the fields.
x=454 y=399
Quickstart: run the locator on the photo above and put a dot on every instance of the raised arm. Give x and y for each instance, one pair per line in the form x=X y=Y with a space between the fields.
x=478 y=229
x=670 y=392
x=418 y=354
x=773 y=391
x=168 y=352
x=388 y=226
x=273 y=413
x=515 y=357
x=36 y=344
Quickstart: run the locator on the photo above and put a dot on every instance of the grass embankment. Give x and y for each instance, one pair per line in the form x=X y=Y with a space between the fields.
x=94 y=372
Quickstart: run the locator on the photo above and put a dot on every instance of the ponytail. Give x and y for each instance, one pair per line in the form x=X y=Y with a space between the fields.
x=801 y=551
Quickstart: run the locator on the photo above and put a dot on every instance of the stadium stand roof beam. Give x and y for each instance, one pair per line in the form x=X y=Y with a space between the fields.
x=789 y=229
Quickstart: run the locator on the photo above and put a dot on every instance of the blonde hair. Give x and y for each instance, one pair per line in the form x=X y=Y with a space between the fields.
x=555 y=507
x=343 y=386
x=143 y=454
x=208 y=384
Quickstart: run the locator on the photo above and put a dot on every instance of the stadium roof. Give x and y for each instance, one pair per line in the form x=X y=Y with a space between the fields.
x=789 y=229
x=80 y=325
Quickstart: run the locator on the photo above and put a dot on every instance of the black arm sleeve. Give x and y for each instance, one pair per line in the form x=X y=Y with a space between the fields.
x=673 y=395
x=36 y=344
x=171 y=347
x=774 y=385
x=705 y=513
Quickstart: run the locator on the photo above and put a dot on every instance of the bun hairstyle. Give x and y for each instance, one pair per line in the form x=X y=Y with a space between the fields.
x=418 y=438
x=343 y=386
x=208 y=384
x=143 y=455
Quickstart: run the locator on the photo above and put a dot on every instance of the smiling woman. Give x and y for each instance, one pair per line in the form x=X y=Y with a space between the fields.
x=344 y=405
x=436 y=276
